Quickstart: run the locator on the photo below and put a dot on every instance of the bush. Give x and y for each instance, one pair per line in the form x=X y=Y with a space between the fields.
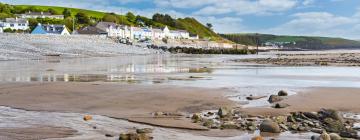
x=8 y=30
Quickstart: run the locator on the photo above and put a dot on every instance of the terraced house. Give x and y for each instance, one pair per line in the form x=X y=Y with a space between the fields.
x=15 y=24
x=31 y=14
x=139 y=33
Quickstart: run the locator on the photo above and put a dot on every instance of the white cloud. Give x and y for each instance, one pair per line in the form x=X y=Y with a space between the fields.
x=243 y=7
x=308 y=2
x=318 y=24
x=224 y=24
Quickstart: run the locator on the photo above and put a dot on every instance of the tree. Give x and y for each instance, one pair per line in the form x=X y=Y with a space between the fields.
x=164 y=19
x=67 y=13
x=53 y=11
x=69 y=23
x=82 y=18
x=209 y=25
x=110 y=18
x=131 y=17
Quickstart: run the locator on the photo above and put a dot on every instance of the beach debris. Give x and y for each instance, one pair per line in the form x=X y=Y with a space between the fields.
x=275 y=98
x=282 y=93
x=87 y=118
x=269 y=126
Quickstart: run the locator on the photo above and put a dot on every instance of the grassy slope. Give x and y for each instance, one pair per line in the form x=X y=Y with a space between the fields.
x=190 y=24
x=250 y=39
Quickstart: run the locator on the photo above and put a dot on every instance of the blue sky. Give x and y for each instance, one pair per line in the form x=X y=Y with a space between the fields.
x=334 y=18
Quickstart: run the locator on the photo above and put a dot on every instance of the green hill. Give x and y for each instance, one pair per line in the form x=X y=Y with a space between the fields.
x=303 y=42
x=90 y=17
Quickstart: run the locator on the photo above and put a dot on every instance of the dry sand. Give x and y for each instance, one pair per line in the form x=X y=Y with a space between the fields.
x=35 y=133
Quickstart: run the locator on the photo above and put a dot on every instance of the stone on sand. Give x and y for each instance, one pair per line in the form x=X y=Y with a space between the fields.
x=269 y=126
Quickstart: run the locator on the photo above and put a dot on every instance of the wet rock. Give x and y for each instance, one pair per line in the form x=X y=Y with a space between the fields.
x=255 y=97
x=229 y=125
x=282 y=93
x=311 y=115
x=269 y=126
x=257 y=138
x=275 y=98
x=108 y=135
x=196 y=118
x=291 y=119
x=349 y=134
x=330 y=113
x=281 y=105
x=144 y=130
x=294 y=126
x=208 y=123
x=325 y=136
x=332 y=125
x=225 y=112
x=87 y=118
x=334 y=136
x=316 y=130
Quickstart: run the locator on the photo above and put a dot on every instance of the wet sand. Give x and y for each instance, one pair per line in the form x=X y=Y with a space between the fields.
x=36 y=133
x=314 y=99
x=114 y=100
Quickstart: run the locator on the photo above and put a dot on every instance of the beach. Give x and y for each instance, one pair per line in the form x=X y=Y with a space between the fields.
x=124 y=92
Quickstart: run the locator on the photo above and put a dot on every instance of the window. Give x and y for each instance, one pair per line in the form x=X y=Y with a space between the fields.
x=19 y=24
x=12 y=25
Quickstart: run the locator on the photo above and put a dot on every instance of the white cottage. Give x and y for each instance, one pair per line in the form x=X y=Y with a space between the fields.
x=39 y=15
x=15 y=24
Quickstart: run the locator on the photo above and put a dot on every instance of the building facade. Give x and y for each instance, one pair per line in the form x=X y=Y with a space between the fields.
x=51 y=29
x=15 y=24
x=39 y=15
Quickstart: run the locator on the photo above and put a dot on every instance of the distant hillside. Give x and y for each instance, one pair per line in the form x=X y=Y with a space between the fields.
x=303 y=42
x=91 y=17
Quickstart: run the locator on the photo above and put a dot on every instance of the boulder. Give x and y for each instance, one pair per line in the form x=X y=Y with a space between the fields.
x=269 y=126
x=229 y=125
x=282 y=93
x=281 y=105
x=330 y=113
x=334 y=136
x=87 y=118
x=325 y=136
x=225 y=112
x=196 y=118
x=332 y=125
x=208 y=123
x=349 y=134
x=275 y=98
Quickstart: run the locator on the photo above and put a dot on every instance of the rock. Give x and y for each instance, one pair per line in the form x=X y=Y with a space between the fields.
x=87 y=118
x=291 y=119
x=158 y=113
x=316 y=130
x=196 y=118
x=284 y=127
x=332 y=125
x=325 y=136
x=134 y=136
x=257 y=138
x=294 y=126
x=349 y=134
x=225 y=112
x=255 y=97
x=281 y=119
x=108 y=135
x=281 y=105
x=334 y=136
x=311 y=115
x=208 y=123
x=269 y=126
x=144 y=130
x=275 y=98
x=229 y=125
x=282 y=93
x=330 y=113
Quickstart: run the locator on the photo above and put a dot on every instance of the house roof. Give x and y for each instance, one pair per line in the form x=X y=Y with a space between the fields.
x=38 y=13
x=48 y=29
x=104 y=25
x=91 y=30
x=16 y=20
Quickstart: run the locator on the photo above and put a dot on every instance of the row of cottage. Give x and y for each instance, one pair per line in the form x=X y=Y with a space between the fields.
x=102 y=28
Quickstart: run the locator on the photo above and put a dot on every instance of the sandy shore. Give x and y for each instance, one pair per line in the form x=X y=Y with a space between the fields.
x=325 y=58
x=135 y=102
x=314 y=99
